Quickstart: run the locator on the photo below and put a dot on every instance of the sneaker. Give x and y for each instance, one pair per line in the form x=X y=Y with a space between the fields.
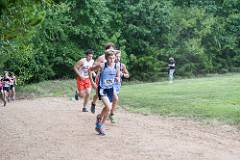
x=100 y=131
x=99 y=126
x=84 y=109
x=112 y=119
x=93 y=108
x=76 y=96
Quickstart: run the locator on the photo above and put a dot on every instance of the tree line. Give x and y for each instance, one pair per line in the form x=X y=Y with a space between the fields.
x=42 y=39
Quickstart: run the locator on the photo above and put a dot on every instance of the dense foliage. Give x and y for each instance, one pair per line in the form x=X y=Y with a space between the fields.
x=42 y=39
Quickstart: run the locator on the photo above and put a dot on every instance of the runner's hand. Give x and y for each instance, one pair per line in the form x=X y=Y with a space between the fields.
x=94 y=85
x=121 y=74
x=118 y=79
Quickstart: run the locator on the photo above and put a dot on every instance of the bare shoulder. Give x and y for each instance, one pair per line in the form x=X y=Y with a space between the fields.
x=81 y=60
x=100 y=59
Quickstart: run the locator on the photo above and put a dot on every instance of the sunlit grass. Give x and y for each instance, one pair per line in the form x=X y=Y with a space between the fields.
x=215 y=98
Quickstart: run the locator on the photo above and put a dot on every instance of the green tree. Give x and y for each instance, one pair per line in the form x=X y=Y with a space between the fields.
x=18 y=24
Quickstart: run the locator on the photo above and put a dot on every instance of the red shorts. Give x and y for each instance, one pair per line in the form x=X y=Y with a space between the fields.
x=83 y=84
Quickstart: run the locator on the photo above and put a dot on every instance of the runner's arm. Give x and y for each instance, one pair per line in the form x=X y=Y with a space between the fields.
x=91 y=70
x=118 y=73
x=76 y=68
x=95 y=67
x=94 y=74
x=125 y=72
x=15 y=79
x=94 y=85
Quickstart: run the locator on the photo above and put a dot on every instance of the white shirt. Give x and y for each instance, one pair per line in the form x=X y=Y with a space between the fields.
x=84 y=69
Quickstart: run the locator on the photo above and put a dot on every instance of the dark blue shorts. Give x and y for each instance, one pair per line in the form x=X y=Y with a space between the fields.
x=11 y=87
x=6 y=89
x=107 y=92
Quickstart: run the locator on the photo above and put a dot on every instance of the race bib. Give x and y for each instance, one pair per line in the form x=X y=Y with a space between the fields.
x=85 y=72
x=108 y=82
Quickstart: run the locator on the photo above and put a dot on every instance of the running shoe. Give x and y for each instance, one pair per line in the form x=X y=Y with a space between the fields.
x=76 y=96
x=84 y=109
x=93 y=108
x=111 y=117
x=99 y=126
x=100 y=131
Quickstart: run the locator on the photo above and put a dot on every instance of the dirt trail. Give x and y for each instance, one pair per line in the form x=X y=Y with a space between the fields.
x=56 y=129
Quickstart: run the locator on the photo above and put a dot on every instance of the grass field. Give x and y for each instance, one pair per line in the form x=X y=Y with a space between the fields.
x=215 y=98
x=211 y=98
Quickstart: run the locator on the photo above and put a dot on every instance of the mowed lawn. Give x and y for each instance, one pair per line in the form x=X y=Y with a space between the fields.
x=212 y=98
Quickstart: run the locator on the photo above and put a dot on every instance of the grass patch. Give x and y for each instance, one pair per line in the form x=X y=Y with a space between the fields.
x=211 y=98
x=48 y=89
